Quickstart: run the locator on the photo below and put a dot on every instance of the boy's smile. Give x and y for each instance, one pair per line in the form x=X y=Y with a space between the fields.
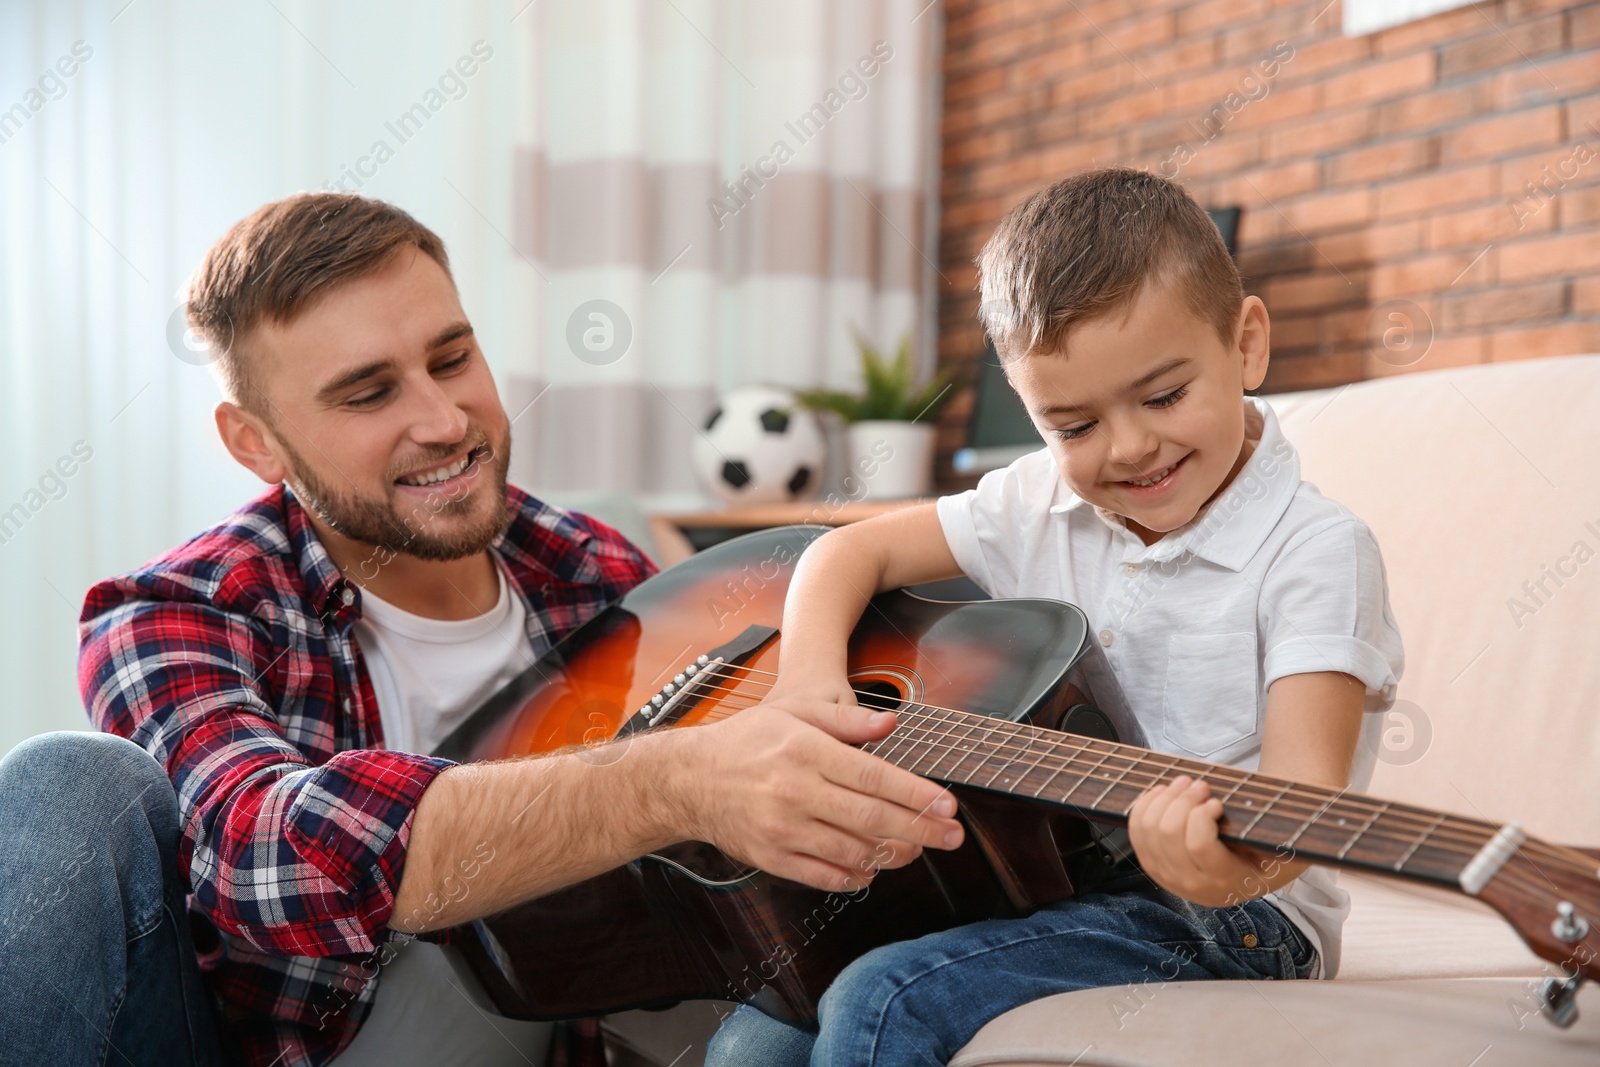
x=1144 y=408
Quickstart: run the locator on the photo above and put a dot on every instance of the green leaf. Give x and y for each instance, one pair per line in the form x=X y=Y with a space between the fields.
x=889 y=388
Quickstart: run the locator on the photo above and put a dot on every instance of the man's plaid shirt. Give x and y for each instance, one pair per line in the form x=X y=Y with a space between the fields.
x=231 y=659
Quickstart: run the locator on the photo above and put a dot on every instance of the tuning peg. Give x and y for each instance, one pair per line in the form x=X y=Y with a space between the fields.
x=1558 y=996
x=1569 y=927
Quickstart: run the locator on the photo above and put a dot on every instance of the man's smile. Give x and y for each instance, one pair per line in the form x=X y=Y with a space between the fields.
x=463 y=467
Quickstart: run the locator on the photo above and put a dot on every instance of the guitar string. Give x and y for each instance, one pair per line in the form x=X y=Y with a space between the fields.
x=1482 y=830
x=1555 y=855
x=1479 y=831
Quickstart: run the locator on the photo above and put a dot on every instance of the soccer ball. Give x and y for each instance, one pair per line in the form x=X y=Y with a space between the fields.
x=760 y=447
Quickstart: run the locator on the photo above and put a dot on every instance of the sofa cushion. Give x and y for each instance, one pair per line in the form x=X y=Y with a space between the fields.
x=1482 y=486
x=1270 y=1024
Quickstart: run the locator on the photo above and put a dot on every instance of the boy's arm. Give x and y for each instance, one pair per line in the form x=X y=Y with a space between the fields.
x=832 y=583
x=1313 y=724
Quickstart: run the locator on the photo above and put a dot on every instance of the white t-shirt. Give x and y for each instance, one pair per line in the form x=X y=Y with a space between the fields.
x=428 y=676
x=1271 y=579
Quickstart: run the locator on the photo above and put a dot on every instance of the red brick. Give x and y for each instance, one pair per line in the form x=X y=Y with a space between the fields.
x=1255 y=40
x=1550 y=257
x=1087 y=85
x=1215 y=14
x=1559 y=339
x=1280 y=105
x=979 y=83
x=1437 y=189
x=1583 y=116
x=1202 y=91
x=1578 y=206
x=1501 y=135
x=1428 y=111
x=1424 y=32
x=1545 y=173
x=1329 y=53
x=1273 y=183
x=1553 y=79
x=1583 y=27
x=1372 y=244
x=1227 y=154
x=1382 y=79
x=1586 y=295
x=1126 y=109
x=1312 y=372
x=1476 y=226
x=1385 y=160
x=1502 y=46
x=1504 y=304
x=1432 y=273
x=1330 y=211
x=1045 y=66
x=1320 y=135
x=1179 y=57
x=1320 y=291
x=1125 y=42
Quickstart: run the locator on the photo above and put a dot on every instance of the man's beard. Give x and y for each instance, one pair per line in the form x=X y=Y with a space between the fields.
x=379 y=524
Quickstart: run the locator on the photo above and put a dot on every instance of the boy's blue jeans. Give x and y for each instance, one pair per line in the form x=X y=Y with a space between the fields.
x=918 y=1002
x=96 y=961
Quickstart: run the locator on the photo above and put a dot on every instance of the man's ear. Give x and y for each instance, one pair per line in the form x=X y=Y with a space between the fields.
x=249 y=441
x=1255 y=341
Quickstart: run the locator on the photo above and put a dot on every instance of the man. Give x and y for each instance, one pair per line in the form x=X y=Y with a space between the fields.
x=288 y=668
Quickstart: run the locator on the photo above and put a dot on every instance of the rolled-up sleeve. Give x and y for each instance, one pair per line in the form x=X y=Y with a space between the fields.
x=297 y=859
x=1325 y=607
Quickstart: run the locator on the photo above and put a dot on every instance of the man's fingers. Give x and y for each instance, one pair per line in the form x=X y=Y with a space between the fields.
x=870 y=816
x=862 y=772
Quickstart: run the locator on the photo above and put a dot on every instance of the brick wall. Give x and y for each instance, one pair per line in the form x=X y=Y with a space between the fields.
x=1446 y=170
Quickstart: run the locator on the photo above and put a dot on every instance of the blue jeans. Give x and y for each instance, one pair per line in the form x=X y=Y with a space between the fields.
x=920 y=1001
x=96 y=962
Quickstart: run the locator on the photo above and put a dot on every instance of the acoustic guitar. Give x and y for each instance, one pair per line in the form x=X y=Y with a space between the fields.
x=982 y=695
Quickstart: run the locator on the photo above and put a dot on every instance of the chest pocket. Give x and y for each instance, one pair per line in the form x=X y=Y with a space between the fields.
x=1209 y=702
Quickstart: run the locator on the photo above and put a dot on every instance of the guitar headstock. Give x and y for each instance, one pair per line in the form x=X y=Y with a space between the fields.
x=1551 y=895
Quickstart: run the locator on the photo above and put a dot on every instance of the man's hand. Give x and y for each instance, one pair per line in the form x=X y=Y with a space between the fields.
x=1173 y=828
x=779 y=786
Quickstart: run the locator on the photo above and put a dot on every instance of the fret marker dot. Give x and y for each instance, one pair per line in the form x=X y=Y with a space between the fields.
x=1341 y=822
x=1247 y=803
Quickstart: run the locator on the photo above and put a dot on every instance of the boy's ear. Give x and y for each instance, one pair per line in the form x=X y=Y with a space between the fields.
x=1254 y=341
x=249 y=441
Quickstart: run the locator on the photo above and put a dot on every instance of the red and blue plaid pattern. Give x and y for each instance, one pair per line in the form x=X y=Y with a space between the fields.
x=231 y=659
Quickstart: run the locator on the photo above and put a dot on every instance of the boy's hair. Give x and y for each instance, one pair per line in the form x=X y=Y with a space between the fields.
x=277 y=261
x=1086 y=244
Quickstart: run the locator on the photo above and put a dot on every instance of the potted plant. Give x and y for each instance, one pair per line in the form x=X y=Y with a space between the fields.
x=890 y=423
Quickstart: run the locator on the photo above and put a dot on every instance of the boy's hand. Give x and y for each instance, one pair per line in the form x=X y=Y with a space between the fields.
x=1173 y=827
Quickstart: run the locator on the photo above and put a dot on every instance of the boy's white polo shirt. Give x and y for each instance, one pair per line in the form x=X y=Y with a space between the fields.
x=1271 y=579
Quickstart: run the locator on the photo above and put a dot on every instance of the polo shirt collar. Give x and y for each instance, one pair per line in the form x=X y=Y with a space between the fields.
x=1233 y=526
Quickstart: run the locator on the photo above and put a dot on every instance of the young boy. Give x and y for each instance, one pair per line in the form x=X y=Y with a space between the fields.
x=1169 y=507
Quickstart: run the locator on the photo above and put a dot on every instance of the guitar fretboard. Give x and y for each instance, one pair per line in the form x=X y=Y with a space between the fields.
x=1102 y=779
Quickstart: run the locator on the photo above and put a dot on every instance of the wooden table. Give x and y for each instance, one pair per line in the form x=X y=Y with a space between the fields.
x=680 y=535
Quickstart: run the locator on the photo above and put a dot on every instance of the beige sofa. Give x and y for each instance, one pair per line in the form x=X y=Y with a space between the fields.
x=1475 y=481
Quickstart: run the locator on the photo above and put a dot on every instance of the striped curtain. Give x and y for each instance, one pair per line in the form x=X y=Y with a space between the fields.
x=709 y=193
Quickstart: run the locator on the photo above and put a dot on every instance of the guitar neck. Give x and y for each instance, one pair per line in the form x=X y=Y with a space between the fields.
x=1102 y=779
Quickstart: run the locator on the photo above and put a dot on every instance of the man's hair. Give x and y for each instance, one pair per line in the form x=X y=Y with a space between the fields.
x=1085 y=246
x=277 y=261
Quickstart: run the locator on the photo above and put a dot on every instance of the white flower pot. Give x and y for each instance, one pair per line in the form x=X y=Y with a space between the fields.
x=890 y=460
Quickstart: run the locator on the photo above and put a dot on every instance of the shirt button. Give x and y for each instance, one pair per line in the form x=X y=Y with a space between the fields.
x=347 y=595
x=1130 y=569
x=1105 y=638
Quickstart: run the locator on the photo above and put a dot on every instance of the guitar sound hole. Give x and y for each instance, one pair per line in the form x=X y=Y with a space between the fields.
x=878 y=694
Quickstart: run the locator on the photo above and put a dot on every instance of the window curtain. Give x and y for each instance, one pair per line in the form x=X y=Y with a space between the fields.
x=710 y=194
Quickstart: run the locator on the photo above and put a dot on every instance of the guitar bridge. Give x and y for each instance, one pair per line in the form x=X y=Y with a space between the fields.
x=698 y=680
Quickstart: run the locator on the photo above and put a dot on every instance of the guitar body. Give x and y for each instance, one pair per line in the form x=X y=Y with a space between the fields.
x=691 y=923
